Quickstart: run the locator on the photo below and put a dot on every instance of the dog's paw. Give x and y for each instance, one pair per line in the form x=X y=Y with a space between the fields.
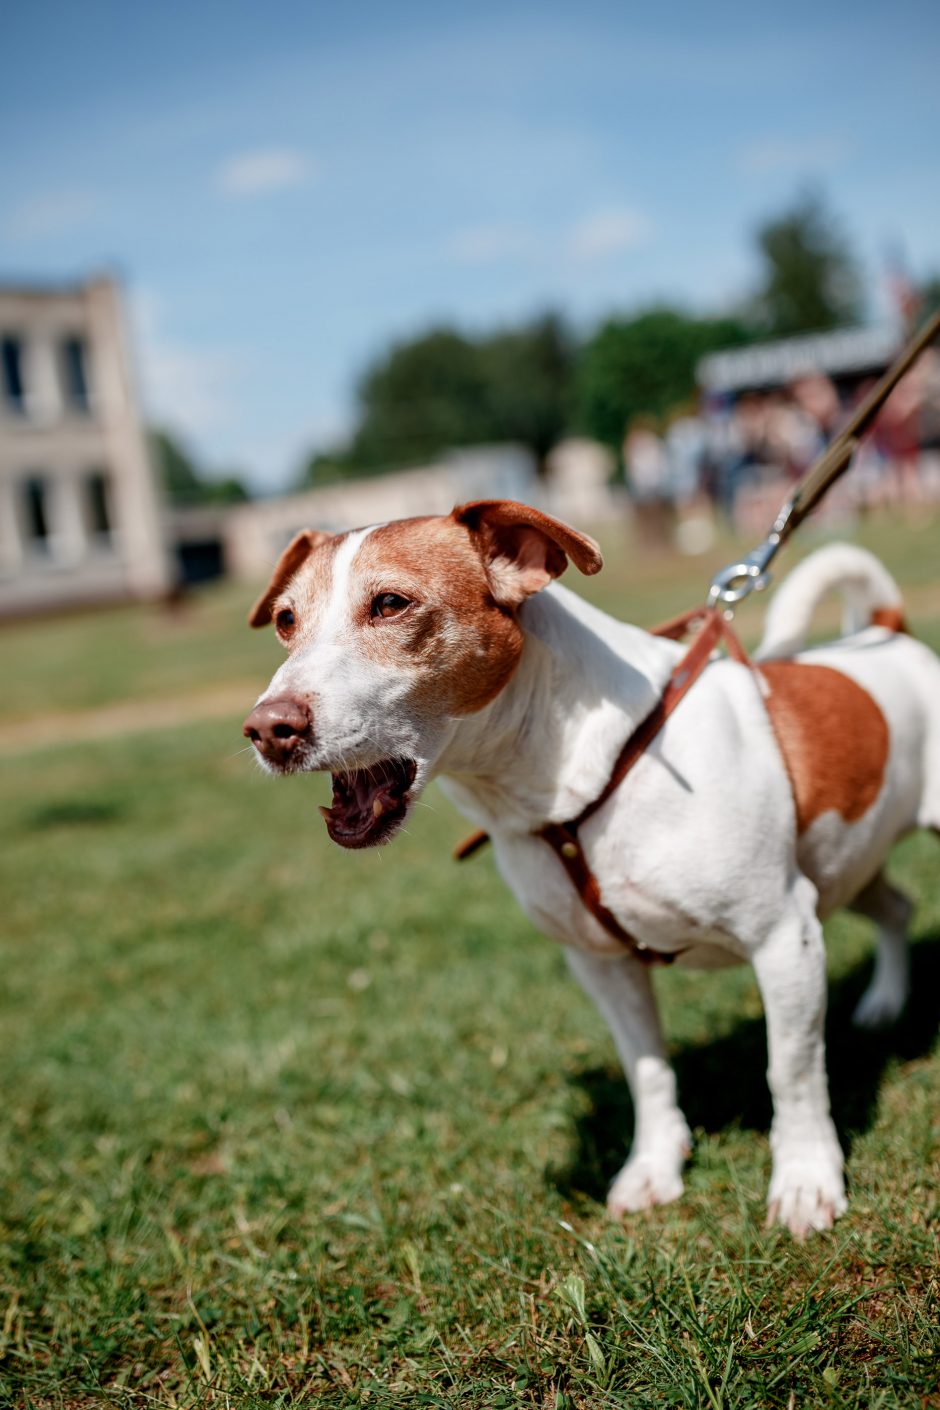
x=807 y=1192
x=648 y=1178
x=879 y=1006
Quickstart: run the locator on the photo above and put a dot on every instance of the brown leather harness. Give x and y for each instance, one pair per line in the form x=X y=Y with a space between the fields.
x=563 y=837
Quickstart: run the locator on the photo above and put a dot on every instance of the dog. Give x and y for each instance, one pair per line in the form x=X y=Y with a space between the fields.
x=444 y=647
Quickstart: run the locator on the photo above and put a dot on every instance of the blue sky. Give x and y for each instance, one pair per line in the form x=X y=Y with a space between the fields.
x=286 y=188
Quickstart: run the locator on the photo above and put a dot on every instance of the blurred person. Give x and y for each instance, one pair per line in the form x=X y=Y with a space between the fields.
x=794 y=438
x=750 y=412
x=748 y=470
x=686 y=447
x=870 y=480
x=647 y=467
x=815 y=395
x=930 y=399
x=724 y=447
x=929 y=420
x=897 y=431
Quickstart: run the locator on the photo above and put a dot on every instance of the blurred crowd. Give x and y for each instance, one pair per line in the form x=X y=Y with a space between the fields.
x=734 y=457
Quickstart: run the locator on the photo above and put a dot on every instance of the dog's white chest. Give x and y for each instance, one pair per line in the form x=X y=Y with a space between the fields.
x=655 y=922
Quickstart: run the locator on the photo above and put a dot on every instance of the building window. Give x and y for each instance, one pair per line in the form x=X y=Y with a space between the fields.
x=98 y=505
x=35 y=504
x=75 y=373
x=11 y=358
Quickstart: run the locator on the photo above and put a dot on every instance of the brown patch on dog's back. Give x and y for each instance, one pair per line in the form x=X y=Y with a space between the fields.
x=832 y=735
x=463 y=646
x=892 y=618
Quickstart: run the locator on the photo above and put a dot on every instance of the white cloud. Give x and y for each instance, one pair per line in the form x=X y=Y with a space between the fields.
x=607 y=233
x=263 y=170
x=195 y=390
x=595 y=237
x=209 y=395
x=48 y=214
x=766 y=155
x=489 y=244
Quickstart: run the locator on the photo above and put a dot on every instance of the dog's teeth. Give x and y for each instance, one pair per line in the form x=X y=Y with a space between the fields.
x=378 y=808
x=325 y=812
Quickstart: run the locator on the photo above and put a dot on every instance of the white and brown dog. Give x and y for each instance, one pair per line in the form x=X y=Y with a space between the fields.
x=425 y=648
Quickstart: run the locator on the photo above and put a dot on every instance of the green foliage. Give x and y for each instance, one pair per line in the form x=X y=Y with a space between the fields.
x=184 y=483
x=287 y=1126
x=810 y=279
x=327 y=467
x=227 y=489
x=180 y=480
x=645 y=365
x=444 y=390
x=425 y=396
x=528 y=373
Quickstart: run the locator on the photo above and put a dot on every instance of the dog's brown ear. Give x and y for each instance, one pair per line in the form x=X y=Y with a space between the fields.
x=524 y=548
x=299 y=549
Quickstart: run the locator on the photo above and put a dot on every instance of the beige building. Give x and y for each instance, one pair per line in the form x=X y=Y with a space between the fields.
x=254 y=534
x=80 y=515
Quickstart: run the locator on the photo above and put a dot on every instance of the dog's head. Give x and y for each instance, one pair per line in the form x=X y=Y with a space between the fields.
x=393 y=633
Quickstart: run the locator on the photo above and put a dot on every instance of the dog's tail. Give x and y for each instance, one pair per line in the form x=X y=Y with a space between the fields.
x=870 y=597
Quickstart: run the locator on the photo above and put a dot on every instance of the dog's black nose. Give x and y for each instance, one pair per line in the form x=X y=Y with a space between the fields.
x=276 y=727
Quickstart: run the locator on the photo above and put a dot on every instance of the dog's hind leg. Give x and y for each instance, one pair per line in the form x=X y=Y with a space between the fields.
x=807 y=1190
x=887 y=993
x=623 y=993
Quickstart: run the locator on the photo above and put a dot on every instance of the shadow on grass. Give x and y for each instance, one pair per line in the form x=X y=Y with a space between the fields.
x=74 y=812
x=724 y=1083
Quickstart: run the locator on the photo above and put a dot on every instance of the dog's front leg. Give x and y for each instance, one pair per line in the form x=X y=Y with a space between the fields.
x=807 y=1190
x=622 y=991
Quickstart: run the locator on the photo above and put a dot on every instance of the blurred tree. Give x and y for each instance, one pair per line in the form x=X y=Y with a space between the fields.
x=326 y=467
x=425 y=396
x=810 y=280
x=528 y=375
x=443 y=390
x=180 y=480
x=645 y=364
x=184 y=483
x=225 y=489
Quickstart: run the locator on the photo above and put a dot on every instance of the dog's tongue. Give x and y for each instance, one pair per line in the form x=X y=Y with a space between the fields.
x=368 y=802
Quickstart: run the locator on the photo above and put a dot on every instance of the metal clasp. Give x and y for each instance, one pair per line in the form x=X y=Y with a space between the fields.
x=739 y=580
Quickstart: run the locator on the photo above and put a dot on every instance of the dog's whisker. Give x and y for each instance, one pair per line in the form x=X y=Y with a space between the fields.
x=249 y=749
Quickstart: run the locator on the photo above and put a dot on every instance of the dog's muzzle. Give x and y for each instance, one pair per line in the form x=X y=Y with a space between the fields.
x=278 y=729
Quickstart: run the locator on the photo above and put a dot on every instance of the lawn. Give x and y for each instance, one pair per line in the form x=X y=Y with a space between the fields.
x=285 y=1125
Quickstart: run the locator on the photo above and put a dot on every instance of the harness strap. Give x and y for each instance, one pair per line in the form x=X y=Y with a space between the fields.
x=563 y=837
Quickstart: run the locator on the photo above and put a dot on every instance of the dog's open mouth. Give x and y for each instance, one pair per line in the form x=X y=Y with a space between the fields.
x=368 y=804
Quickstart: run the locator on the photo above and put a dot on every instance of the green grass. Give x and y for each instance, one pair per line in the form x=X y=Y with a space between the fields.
x=129 y=653
x=285 y=1125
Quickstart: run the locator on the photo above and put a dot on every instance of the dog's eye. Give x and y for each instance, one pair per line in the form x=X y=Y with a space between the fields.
x=389 y=604
x=285 y=621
